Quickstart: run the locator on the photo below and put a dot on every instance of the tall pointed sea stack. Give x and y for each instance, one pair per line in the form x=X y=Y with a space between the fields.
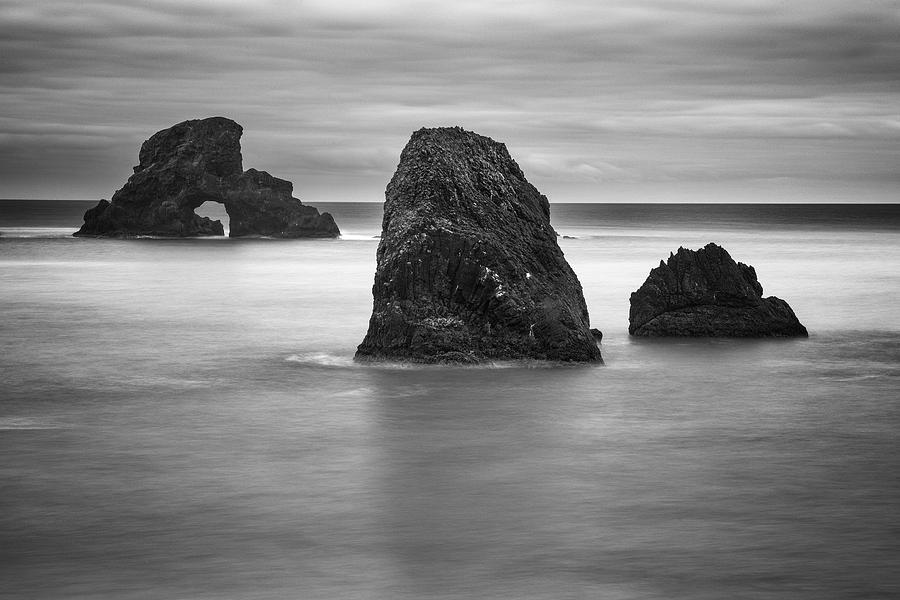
x=704 y=293
x=194 y=162
x=468 y=265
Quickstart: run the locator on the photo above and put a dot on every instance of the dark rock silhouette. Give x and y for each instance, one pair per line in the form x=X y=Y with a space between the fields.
x=194 y=162
x=468 y=265
x=705 y=293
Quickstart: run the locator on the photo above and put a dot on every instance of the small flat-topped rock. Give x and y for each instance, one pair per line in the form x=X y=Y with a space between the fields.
x=705 y=293
x=468 y=268
x=194 y=162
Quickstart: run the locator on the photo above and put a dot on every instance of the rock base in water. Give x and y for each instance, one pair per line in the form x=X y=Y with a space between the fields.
x=195 y=162
x=469 y=269
x=704 y=293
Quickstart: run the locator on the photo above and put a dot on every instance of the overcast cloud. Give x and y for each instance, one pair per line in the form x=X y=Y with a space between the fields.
x=597 y=100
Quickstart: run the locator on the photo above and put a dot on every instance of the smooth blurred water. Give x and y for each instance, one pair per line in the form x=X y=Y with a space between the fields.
x=183 y=419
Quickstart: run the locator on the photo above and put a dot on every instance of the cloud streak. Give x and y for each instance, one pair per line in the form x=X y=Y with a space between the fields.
x=582 y=92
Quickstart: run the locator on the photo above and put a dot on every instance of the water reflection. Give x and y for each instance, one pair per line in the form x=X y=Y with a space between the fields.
x=472 y=474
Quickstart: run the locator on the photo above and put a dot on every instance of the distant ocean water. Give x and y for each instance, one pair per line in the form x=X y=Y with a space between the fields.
x=183 y=419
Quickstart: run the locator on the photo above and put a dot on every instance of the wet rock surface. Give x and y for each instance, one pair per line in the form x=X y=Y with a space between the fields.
x=705 y=293
x=193 y=162
x=468 y=268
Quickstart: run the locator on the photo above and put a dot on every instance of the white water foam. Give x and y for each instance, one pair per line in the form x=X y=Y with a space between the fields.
x=324 y=359
x=37 y=232
x=24 y=424
x=357 y=237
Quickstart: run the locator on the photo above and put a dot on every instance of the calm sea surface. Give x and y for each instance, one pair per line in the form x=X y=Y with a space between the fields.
x=183 y=419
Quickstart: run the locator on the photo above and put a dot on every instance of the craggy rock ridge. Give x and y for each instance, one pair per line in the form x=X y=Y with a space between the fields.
x=704 y=293
x=468 y=265
x=193 y=162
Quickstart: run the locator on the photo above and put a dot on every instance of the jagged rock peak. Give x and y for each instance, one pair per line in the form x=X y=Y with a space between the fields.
x=210 y=145
x=468 y=265
x=193 y=162
x=706 y=293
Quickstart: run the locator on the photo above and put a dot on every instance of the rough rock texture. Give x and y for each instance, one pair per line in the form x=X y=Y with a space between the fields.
x=193 y=162
x=704 y=293
x=468 y=265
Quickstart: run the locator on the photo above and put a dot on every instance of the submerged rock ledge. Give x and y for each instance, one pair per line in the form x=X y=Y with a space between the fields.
x=195 y=162
x=704 y=293
x=469 y=269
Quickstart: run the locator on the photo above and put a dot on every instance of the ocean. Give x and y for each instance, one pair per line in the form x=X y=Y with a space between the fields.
x=182 y=419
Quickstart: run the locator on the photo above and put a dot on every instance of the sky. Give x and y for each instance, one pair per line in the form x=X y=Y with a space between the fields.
x=602 y=101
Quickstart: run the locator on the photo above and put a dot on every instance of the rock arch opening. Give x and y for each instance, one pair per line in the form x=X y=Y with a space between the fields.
x=215 y=211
